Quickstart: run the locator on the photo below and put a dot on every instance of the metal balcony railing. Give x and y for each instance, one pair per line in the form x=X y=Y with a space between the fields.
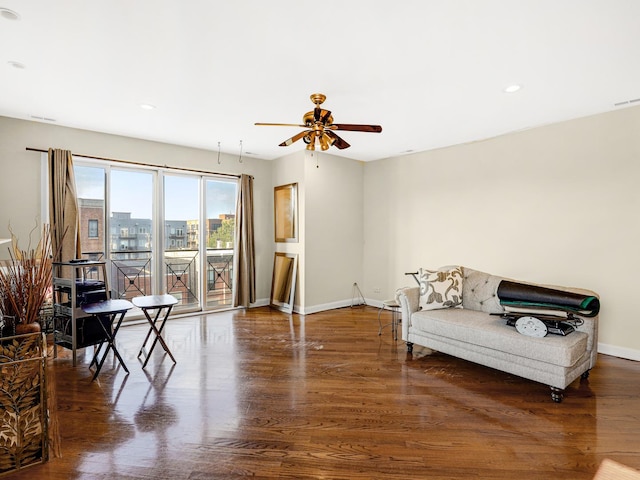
x=131 y=275
x=182 y=275
x=219 y=277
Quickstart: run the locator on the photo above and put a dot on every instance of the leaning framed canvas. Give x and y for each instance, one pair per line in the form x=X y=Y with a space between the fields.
x=285 y=207
x=283 y=283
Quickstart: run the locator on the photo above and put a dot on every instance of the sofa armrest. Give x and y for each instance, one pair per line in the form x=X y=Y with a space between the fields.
x=409 y=299
x=590 y=327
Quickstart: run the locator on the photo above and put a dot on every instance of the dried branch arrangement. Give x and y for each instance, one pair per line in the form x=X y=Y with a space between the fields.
x=25 y=279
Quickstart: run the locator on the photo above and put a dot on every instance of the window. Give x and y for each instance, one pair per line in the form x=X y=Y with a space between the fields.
x=122 y=209
x=93 y=229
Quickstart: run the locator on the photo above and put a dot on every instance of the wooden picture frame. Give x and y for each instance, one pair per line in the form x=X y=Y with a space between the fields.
x=283 y=282
x=285 y=209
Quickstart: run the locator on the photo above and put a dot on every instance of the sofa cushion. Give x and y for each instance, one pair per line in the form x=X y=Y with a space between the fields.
x=479 y=291
x=440 y=288
x=490 y=331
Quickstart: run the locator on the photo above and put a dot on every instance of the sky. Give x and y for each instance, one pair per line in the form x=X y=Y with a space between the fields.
x=132 y=191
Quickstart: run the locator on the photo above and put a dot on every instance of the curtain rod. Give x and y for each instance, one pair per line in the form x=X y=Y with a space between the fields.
x=130 y=162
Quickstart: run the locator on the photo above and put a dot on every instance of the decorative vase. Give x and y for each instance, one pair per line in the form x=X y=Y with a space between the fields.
x=25 y=282
x=23 y=328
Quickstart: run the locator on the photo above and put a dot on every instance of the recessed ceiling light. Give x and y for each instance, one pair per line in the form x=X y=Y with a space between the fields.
x=8 y=14
x=147 y=106
x=512 y=88
x=17 y=65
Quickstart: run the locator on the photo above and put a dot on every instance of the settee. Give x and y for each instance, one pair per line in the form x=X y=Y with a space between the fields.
x=465 y=313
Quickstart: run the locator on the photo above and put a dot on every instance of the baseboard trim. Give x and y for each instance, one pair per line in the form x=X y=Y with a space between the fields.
x=261 y=302
x=325 y=306
x=620 y=352
x=605 y=349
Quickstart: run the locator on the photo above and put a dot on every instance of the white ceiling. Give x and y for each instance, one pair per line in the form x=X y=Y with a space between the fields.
x=431 y=72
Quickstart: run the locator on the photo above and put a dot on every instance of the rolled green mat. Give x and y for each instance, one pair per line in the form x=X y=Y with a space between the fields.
x=533 y=296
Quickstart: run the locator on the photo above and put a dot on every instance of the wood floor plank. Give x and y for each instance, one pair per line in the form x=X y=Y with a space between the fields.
x=263 y=394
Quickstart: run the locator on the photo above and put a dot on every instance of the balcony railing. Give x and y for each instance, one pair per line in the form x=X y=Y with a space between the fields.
x=131 y=274
x=182 y=275
x=219 y=277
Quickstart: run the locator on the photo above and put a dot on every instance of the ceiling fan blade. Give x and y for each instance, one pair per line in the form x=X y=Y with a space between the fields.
x=281 y=125
x=355 y=128
x=321 y=115
x=293 y=139
x=337 y=141
x=325 y=116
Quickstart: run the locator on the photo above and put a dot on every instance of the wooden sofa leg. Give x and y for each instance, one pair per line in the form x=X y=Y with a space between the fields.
x=585 y=375
x=409 y=347
x=557 y=394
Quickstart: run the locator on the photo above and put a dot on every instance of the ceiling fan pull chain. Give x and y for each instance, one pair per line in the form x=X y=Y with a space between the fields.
x=240 y=158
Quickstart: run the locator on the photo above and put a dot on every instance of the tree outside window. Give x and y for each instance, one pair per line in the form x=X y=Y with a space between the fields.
x=224 y=233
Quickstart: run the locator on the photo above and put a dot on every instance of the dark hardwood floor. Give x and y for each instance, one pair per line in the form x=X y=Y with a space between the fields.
x=262 y=394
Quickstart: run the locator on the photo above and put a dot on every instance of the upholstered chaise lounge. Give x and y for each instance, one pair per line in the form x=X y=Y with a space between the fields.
x=458 y=311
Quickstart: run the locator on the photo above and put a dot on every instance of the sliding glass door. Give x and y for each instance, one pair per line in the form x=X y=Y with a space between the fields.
x=131 y=238
x=220 y=201
x=160 y=232
x=181 y=259
x=91 y=191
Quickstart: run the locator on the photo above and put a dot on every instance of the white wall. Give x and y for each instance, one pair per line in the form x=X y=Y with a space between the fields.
x=20 y=196
x=557 y=204
x=330 y=214
x=286 y=170
x=334 y=213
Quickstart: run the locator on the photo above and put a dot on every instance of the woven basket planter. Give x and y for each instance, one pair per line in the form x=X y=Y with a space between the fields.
x=23 y=402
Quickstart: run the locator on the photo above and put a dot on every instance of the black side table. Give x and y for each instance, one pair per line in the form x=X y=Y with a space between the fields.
x=109 y=314
x=155 y=302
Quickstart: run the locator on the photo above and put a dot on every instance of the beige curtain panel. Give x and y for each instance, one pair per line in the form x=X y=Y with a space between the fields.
x=63 y=207
x=244 y=270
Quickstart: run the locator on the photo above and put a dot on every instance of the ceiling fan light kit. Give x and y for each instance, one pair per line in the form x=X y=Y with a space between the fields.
x=320 y=128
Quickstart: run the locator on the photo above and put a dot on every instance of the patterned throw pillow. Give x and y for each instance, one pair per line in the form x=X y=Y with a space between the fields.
x=441 y=288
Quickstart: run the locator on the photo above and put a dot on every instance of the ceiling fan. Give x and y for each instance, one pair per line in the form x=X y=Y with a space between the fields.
x=321 y=129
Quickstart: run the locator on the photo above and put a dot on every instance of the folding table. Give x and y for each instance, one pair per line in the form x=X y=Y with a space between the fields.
x=155 y=302
x=109 y=314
